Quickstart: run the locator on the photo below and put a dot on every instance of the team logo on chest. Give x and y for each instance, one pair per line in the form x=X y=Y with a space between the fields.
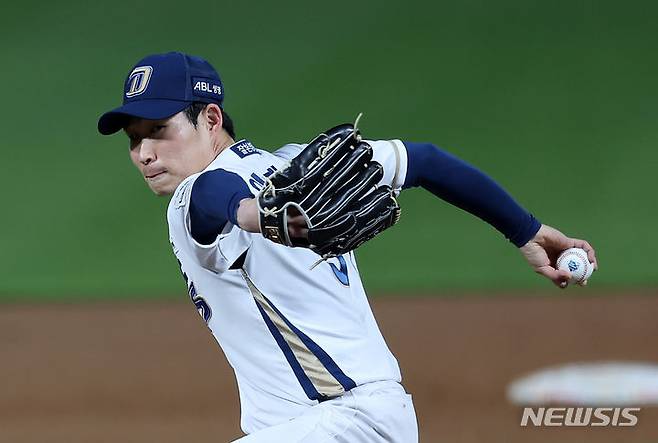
x=138 y=80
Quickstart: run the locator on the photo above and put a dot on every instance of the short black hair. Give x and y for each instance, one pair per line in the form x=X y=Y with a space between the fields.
x=192 y=113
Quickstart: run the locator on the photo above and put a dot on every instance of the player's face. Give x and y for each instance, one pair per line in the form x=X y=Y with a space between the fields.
x=168 y=151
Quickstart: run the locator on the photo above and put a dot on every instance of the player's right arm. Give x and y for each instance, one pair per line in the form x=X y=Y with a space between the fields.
x=470 y=189
x=465 y=186
x=407 y=165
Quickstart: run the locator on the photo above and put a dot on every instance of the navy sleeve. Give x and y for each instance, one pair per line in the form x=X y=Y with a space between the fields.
x=215 y=198
x=466 y=187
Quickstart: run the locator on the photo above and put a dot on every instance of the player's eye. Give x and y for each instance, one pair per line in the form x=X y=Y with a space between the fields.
x=158 y=128
x=134 y=141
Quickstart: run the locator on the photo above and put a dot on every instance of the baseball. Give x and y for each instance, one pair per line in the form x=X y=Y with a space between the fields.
x=575 y=261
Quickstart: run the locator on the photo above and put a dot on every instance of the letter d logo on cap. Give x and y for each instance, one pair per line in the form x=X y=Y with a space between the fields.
x=138 y=80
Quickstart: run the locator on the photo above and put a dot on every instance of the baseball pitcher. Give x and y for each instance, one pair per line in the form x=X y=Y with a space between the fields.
x=265 y=243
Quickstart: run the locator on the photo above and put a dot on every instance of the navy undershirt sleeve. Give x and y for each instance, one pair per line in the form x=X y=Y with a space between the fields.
x=466 y=187
x=215 y=198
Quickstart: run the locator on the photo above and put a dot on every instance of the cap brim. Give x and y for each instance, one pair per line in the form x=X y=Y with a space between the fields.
x=153 y=109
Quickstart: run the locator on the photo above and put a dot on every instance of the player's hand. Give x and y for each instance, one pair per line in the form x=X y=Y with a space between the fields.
x=542 y=251
x=248 y=219
x=297 y=227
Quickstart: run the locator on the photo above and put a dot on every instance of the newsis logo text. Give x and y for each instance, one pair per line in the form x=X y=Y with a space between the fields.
x=579 y=416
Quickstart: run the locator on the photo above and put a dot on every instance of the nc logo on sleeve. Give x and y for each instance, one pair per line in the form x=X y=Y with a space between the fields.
x=138 y=80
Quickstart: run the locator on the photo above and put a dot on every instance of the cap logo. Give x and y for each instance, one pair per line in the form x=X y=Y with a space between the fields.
x=138 y=80
x=208 y=87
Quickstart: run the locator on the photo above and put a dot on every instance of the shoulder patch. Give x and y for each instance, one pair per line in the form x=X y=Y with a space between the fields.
x=244 y=149
x=181 y=195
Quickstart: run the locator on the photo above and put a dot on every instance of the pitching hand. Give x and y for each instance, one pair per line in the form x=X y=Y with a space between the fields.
x=542 y=251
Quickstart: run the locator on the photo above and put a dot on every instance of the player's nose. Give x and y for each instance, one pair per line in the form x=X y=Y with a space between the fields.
x=146 y=152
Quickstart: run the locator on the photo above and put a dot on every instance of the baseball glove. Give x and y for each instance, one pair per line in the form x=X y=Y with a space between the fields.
x=333 y=184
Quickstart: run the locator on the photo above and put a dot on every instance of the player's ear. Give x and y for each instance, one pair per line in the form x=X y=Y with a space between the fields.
x=213 y=117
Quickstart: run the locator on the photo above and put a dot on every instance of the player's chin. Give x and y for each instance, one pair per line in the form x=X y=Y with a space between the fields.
x=161 y=187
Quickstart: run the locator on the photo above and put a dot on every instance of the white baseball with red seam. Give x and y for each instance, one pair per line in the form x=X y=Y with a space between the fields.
x=576 y=262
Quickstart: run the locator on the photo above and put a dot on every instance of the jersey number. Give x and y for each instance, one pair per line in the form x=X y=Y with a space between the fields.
x=341 y=273
x=201 y=304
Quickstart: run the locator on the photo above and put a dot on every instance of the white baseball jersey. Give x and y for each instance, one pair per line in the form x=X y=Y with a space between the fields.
x=294 y=336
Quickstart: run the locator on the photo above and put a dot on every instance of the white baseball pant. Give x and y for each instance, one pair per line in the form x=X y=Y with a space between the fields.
x=379 y=412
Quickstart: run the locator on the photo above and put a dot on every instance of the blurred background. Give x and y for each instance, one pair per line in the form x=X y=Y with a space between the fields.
x=555 y=100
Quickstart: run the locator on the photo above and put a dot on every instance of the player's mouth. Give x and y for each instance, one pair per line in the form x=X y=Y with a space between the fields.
x=153 y=175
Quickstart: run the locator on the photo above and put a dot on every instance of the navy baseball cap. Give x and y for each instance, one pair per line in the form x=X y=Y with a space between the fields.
x=162 y=85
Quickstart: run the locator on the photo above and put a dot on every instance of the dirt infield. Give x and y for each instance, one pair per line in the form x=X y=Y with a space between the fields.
x=151 y=372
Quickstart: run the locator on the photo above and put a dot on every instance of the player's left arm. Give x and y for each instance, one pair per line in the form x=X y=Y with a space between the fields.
x=468 y=188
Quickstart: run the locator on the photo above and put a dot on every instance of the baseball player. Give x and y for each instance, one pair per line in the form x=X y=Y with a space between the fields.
x=309 y=359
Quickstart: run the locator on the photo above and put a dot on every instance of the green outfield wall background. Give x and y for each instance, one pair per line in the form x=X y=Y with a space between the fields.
x=558 y=101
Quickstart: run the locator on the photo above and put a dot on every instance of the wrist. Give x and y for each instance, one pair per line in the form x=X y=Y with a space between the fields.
x=247 y=215
x=528 y=232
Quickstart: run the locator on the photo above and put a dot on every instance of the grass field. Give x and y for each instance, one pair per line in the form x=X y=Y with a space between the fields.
x=555 y=100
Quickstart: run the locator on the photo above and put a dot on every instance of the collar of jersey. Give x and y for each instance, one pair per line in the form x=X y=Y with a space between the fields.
x=225 y=150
